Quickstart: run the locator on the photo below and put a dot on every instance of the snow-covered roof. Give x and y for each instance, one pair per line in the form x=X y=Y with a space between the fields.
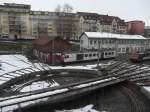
x=112 y=35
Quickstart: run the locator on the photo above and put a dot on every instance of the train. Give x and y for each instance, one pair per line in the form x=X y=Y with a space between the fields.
x=139 y=56
x=71 y=57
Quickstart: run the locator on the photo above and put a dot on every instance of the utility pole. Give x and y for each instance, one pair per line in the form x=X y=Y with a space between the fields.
x=53 y=49
x=98 y=52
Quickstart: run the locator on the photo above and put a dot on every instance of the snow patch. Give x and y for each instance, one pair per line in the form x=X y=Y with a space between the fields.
x=88 y=108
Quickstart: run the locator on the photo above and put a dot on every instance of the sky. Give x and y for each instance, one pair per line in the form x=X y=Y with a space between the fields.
x=125 y=9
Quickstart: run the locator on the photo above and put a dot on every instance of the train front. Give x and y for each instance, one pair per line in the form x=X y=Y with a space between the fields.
x=134 y=57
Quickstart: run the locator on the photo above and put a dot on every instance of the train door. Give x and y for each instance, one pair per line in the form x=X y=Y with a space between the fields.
x=102 y=55
x=127 y=50
x=80 y=57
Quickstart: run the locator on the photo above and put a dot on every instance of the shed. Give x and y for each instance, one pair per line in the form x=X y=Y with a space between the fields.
x=45 y=47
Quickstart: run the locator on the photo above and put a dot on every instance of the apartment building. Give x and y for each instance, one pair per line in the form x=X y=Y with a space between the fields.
x=147 y=31
x=112 y=24
x=93 y=22
x=14 y=21
x=18 y=21
x=88 y=22
x=43 y=24
x=67 y=25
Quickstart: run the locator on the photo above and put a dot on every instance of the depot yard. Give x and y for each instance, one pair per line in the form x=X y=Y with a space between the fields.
x=120 y=96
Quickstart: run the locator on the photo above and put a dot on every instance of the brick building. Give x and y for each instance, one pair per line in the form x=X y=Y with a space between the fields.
x=136 y=27
x=47 y=48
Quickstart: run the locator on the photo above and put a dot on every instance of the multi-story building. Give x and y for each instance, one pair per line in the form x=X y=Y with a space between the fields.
x=112 y=24
x=43 y=24
x=93 y=22
x=88 y=22
x=14 y=21
x=147 y=31
x=120 y=42
x=136 y=27
x=17 y=21
x=67 y=25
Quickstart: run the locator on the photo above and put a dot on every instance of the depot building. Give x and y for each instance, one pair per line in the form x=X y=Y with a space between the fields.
x=120 y=42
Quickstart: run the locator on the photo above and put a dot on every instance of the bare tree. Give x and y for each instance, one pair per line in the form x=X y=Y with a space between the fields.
x=58 y=8
x=67 y=8
x=65 y=21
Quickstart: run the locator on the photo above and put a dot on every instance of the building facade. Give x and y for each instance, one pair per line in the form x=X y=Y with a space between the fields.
x=14 y=21
x=18 y=21
x=49 y=49
x=112 y=24
x=120 y=42
x=147 y=31
x=43 y=24
x=136 y=27
x=66 y=25
x=93 y=22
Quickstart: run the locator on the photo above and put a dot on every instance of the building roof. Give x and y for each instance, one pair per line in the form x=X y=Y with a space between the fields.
x=47 y=45
x=42 y=41
x=112 y=35
x=147 y=27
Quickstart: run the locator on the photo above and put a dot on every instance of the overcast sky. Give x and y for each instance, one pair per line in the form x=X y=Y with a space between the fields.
x=125 y=9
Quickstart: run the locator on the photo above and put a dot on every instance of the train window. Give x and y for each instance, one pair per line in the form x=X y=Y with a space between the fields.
x=86 y=55
x=66 y=56
x=109 y=53
x=94 y=54
x=90 y=55
x=112 y=53
x=106 y=53
x=97 y=54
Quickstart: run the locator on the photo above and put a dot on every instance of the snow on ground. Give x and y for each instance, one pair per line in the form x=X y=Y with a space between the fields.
x=147 y=88
x=39 y=85
x=88 y=108
x=39 y=98
x=10 y=63
x=13 y=62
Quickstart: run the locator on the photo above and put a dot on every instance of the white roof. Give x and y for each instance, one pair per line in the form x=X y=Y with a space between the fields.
x=111 y=35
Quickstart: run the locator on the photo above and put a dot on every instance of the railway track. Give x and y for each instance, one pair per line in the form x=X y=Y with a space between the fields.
x=54 y=93
x=116 y=72
x=134 y=98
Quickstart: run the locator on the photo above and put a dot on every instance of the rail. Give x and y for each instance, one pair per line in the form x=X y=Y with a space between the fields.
x=52 y=92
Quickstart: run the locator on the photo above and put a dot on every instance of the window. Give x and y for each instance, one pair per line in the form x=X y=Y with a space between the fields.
x=95 y=42
x=91 y=42
x=99 y=42
x=90 y=55
x=66 y=56
x=94 y=54
x=119 y=49
x=86 y=55
x=109 y=53
x=123 y=49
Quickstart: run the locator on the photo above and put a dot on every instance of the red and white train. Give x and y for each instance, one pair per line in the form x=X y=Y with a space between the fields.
x=69 y=57
x=139 y=57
